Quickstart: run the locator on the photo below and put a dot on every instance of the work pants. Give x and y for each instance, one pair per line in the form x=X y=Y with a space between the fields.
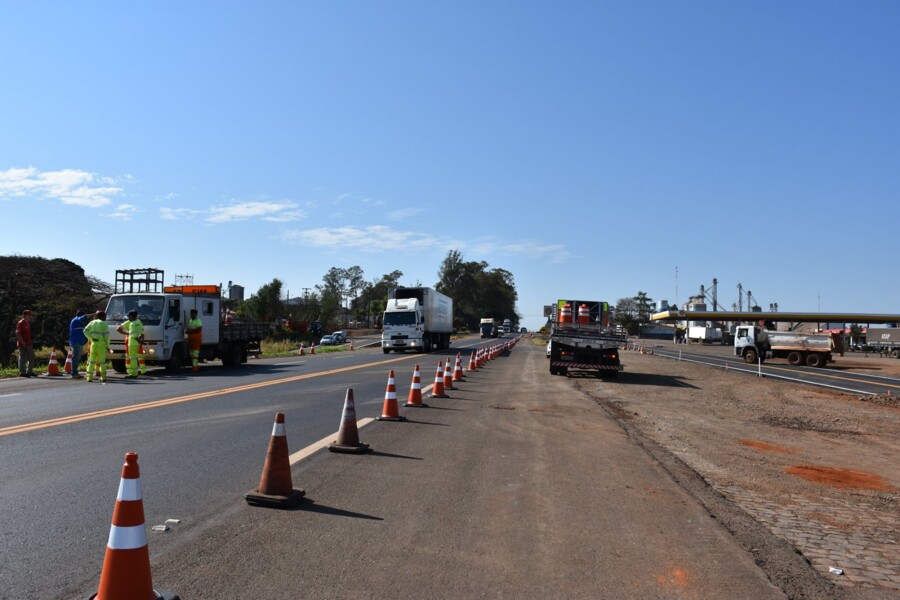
x=77 y=349
x=26 y=360
x=194 y=343
x=132 y=347
x=96 y=360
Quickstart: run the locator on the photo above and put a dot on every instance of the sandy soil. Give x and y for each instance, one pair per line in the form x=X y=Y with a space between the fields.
x=818 y=468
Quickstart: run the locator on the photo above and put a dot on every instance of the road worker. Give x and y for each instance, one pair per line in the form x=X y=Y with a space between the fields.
x=97 y=331
x=133 y=330
x=195 y=339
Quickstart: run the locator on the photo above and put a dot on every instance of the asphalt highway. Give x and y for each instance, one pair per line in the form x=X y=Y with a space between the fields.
x=515 y=486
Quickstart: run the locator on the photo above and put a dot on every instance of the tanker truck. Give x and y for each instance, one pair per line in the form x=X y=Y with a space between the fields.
x=754 y=343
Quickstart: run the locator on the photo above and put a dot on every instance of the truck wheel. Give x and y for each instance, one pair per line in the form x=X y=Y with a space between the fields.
x=231 y=358
x=386 y=350
x=895 y=353
x=175 y=363
x=795 y=358
x=814 y=359
x=750 y=356
x=118 y=366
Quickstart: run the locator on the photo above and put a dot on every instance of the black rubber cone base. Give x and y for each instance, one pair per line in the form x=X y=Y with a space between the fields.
x=160 y=595
x=360 y=449
x=419 y=405
x=400 y=418
x=254 y=498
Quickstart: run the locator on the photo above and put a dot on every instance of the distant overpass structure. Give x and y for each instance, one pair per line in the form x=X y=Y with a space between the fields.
x=791 y=317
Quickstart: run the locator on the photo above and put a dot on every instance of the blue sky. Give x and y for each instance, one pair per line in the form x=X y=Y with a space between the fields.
x=593 y=149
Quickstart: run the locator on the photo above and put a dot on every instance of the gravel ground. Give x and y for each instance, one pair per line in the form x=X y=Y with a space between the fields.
x=817 y=470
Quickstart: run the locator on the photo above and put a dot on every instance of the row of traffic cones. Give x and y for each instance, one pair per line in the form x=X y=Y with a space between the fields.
x=126 y=565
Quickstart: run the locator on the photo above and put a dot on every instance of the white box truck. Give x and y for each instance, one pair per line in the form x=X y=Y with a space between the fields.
x=418 y=319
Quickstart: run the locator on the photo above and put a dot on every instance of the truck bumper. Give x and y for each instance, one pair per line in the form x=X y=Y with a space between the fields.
x=591 y=366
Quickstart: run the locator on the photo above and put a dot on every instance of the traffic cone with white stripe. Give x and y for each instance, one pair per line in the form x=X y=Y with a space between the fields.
x=448 y=376
x=126 y=565
x=348 y=433
x=275 y=487
x=302 y=350
x=67 y=369
x=415 y=391
x=437 y=390
x=457 y=368
x=53 y=366
x=390 y=411
x=473 y=366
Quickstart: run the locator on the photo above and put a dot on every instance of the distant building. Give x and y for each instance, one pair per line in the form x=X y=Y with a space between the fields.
x=235 y=292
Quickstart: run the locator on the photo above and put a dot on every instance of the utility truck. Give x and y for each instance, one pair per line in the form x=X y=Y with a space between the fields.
x=582 y=339
x=754 y=343
x=165 y=312
x=418 y=319
x=488 y=328
x=507 y=326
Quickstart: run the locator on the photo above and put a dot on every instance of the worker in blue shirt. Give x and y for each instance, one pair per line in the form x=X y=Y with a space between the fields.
x=77 y=339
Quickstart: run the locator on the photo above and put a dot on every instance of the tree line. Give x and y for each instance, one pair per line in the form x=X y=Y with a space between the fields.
x=54 y=289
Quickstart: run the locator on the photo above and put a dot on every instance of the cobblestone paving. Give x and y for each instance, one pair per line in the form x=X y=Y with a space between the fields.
x=856 y=537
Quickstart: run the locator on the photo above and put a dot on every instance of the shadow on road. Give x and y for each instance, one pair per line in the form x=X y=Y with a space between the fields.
x=310 y=506
x=653 y=379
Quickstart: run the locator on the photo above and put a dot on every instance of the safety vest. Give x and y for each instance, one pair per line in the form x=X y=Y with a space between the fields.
x=97 y=331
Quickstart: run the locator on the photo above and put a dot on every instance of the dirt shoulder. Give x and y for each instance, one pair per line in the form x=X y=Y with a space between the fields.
x=818 y=469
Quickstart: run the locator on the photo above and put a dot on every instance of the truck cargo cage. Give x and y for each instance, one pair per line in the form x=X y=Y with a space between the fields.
x=135 y=281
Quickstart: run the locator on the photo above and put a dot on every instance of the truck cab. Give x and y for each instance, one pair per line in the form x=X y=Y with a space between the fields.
x=751 y=343
x=164 y=316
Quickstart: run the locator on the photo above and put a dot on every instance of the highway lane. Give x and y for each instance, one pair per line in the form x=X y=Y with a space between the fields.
x=836 y=376
x=201 y=439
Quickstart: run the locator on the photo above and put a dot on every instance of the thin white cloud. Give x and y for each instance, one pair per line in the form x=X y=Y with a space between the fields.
x=555 y=253
x=404 y=213
x=179 y=214
x=374 y=238
x=267 y=211
x=123 y=212
x=69 y=186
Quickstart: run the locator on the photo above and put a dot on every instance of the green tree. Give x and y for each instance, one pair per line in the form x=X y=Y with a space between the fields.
x=266 y=304
x=644 y=307
x=477 y=291
x=53 y=289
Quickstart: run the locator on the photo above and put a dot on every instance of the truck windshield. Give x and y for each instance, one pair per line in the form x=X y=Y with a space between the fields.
x=149 y=308
x=400 y=318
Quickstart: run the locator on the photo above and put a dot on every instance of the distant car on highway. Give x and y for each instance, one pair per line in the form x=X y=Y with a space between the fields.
x=327 y=340
x=339 y=337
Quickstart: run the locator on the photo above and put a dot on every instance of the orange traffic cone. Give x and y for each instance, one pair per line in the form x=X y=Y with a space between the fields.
x=351 y=345
x=348 y=434
x=448 y=376
x=415 y=391
x=53 y=366
x=390 y=411
x=312 y=348
x=68 y=368
x=302 y=350
x=437 y=390
x=275 y=488
x=126 y=565
x=473 y=366
x=457 y=368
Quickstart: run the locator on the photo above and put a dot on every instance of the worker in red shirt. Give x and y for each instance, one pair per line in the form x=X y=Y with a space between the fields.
x=24 y=344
